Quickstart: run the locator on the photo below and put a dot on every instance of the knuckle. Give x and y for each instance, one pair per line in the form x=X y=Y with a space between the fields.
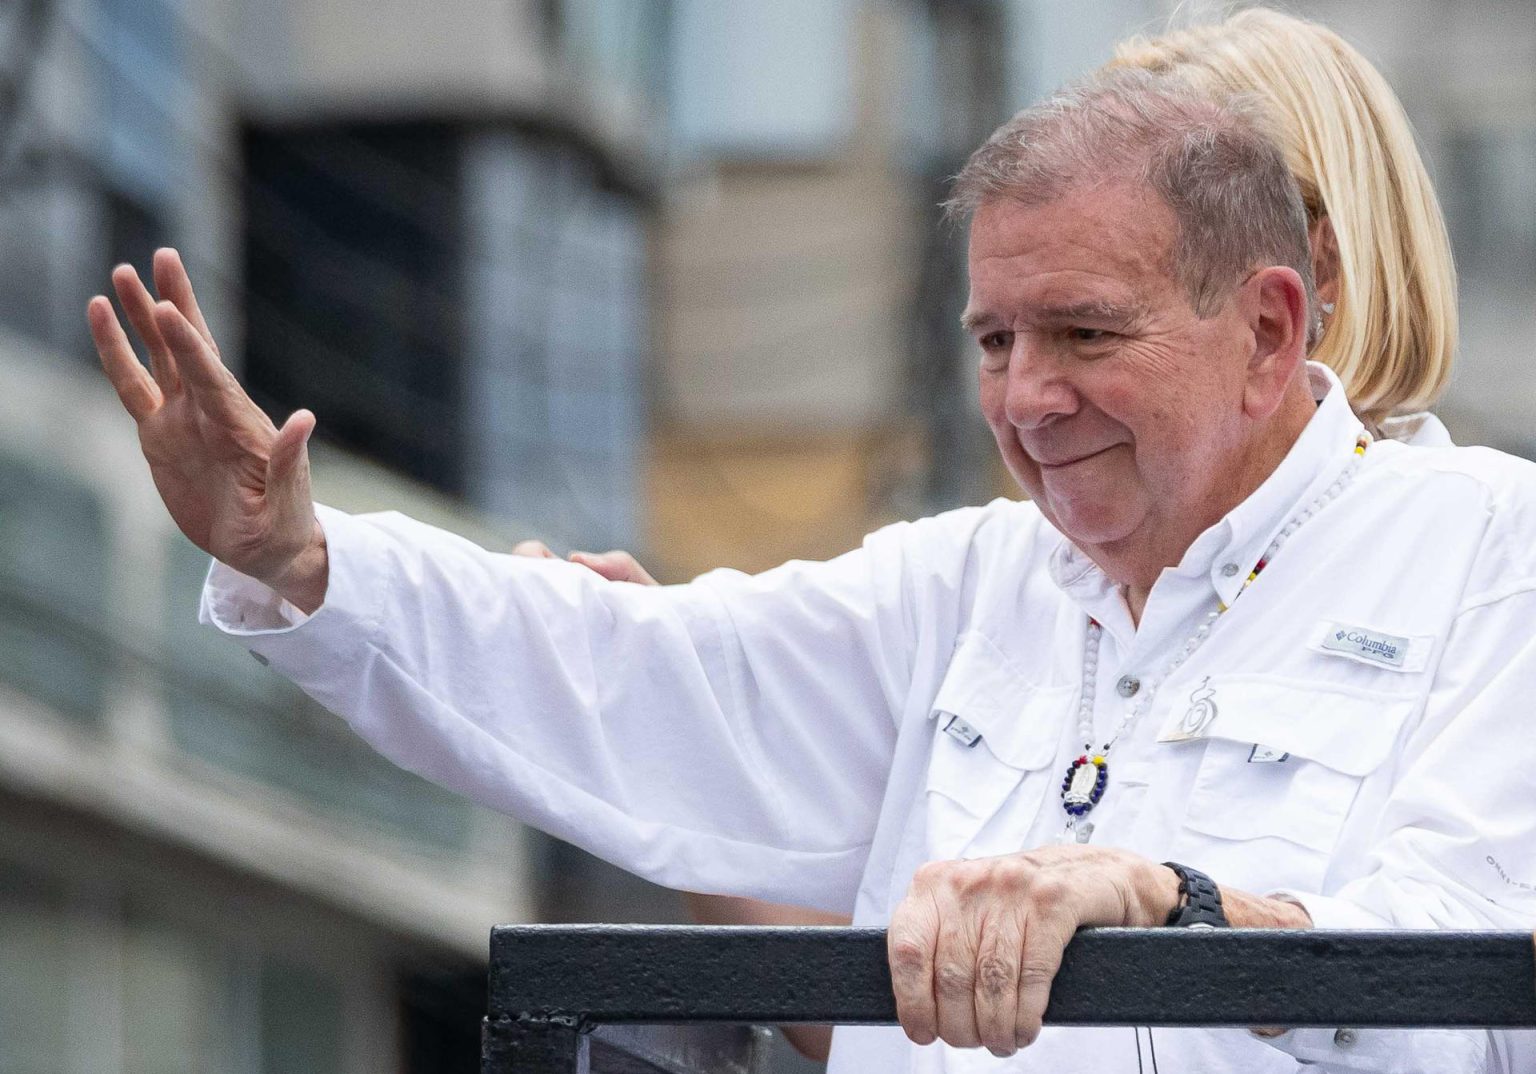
x=908 y=956
x=953 y=980
x=996 y=976
x=930 y=874
x=1048 y=888
x=966 y=879
x=1036 y=973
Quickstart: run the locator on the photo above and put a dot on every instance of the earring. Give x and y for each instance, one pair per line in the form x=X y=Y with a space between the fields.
x=1328 y=308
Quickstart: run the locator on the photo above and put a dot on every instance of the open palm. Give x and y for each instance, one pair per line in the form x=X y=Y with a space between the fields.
x=235 y=484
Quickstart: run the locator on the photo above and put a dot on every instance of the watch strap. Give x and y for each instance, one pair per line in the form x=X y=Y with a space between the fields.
x=1199 y=900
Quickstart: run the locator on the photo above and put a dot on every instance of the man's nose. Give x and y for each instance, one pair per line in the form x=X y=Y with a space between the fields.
x=1038 y=387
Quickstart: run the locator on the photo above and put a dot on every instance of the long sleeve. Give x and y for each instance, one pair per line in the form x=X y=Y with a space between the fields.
x=1456 y=844
x=733 y=734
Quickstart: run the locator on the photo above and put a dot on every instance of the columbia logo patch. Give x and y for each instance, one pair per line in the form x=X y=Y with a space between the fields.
x=1386 y=649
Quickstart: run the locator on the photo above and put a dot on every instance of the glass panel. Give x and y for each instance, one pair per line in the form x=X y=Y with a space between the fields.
x=763 y=80
x=352 y=255
x=53 y=583
x=622 y=42
x=34 y=977
x=228 y=709
x=556 y=342
x=301 y=1030
x=142 y=89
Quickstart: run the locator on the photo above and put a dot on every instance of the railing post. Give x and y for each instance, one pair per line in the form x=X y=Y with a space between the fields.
x=530 y=1044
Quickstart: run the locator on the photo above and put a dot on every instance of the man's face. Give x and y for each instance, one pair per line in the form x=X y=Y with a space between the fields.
x=1115 y=407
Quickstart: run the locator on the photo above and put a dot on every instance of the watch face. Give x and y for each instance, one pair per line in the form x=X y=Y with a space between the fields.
x=1204 y=926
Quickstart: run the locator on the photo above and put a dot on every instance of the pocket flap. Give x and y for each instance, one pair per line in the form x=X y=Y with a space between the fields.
x=1347 y=730
x=1018 y=721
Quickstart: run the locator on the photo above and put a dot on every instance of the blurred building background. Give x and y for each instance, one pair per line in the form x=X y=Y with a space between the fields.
x=664 y=275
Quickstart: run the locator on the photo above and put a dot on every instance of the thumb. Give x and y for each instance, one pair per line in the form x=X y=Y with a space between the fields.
x=288 y=465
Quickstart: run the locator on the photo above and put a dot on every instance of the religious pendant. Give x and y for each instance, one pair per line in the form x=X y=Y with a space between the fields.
x=1084 y=784
x=1201 y=711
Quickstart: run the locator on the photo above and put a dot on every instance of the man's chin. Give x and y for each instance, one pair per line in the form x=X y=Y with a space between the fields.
x=1090 y=529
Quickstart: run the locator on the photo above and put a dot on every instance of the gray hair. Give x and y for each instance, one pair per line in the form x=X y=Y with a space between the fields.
x=1211 y=160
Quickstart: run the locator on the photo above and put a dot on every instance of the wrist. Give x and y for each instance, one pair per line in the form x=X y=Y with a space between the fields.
x=1159 y=896
x=1200 y=904
x=303 y=582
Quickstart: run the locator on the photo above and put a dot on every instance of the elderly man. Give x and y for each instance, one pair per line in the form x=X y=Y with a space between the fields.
x=1227 y=631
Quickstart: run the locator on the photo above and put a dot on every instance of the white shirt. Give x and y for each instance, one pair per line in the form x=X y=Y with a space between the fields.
x=782 y=735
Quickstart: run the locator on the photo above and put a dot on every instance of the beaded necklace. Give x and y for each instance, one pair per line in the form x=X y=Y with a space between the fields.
x=1088 y=777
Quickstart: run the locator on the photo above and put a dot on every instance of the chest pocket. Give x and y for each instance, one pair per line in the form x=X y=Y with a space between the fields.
x=995 y=736
x=1276 y=824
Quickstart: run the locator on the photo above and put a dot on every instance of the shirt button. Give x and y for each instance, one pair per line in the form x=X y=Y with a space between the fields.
x=1230 y=569
x=1345 y=1037
x=1128 y=685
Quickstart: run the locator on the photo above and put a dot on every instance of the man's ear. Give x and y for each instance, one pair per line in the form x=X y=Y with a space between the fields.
x=1276 y=309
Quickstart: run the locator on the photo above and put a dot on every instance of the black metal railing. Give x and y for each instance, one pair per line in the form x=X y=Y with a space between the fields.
x=557 y=993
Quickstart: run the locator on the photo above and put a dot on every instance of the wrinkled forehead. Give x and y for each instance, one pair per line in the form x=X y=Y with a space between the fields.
x=1107 y=244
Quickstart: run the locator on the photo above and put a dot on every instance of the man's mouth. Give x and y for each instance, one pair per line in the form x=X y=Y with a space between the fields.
x=1061 y=461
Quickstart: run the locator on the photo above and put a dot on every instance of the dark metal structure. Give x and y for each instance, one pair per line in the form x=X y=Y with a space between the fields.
x=571 y=999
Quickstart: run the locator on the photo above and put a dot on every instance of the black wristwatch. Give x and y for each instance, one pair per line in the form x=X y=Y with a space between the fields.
x=1199 y=900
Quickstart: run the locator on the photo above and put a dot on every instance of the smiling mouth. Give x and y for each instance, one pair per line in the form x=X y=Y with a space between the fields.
x=1073 y=461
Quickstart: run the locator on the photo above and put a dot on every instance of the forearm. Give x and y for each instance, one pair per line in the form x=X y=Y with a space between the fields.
x=1157 y=896
x=618 y=717
x=1248 y=911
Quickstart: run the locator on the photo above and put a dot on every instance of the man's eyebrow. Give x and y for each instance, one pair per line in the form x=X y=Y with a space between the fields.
x=1098 y=310
x=974 y=320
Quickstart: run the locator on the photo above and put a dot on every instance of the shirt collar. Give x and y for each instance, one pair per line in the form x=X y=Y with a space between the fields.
x=1229 y=550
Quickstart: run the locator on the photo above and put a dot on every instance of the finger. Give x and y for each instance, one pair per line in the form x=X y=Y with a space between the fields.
x=288 y=490
x=290 y=450
x=140 y=309
x=214 y=386
x=535 y=549
x=174 y=285
x=133 y=383
x=910 y=948
x=954 y=981
x=616 y=566
x=1044 y=941
x=997 y=983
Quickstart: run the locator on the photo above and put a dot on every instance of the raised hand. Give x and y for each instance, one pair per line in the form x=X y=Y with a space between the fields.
x=236 y=485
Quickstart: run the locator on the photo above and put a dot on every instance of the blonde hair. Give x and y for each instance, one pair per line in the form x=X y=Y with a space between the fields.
x=1392 y=335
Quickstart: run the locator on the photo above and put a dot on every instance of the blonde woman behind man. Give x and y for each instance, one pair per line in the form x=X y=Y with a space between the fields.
x=1382 y=258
